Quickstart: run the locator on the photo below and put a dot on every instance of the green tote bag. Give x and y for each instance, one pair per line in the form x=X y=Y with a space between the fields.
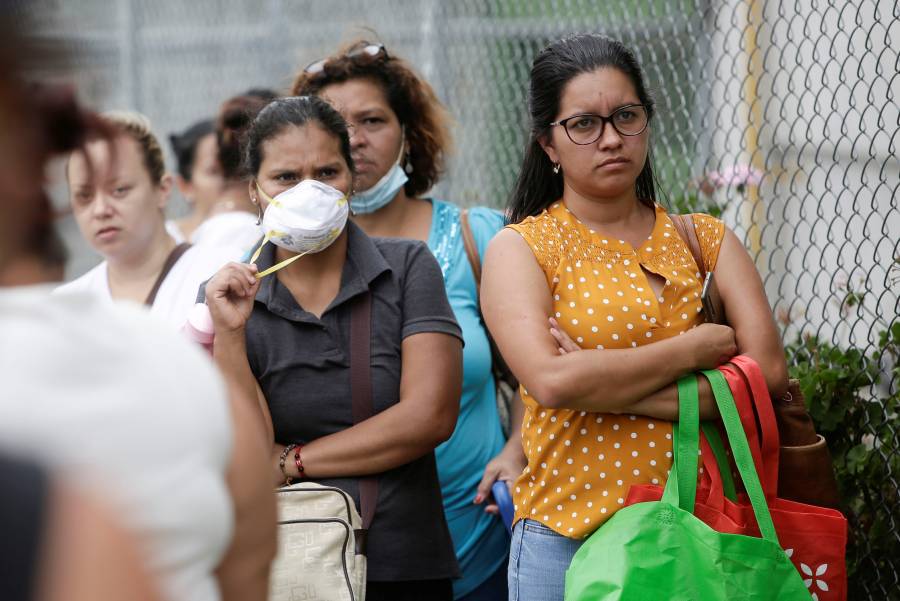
x=660 y=551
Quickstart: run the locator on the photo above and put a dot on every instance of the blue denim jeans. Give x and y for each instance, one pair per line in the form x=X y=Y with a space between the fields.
x=538 y=560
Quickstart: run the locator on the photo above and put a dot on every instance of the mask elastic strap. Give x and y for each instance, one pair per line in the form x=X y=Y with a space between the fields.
x=275 y=267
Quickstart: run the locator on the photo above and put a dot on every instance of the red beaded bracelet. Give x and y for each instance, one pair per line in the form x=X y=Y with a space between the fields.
x=299 y=462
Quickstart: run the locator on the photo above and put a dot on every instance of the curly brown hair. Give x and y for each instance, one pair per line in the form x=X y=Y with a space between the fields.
x=424 y=118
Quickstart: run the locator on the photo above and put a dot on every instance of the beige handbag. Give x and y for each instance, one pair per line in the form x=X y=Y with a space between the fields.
x=321 y=536
x=317 y=554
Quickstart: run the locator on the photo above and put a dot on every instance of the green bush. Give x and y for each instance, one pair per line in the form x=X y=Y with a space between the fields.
x=862 y=428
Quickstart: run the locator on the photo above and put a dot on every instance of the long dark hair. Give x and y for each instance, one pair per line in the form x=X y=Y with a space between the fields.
x=296 y=110
x=556 y=65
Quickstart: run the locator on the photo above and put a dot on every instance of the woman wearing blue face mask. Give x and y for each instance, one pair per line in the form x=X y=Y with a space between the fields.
x=399 y=137
x=282 y=332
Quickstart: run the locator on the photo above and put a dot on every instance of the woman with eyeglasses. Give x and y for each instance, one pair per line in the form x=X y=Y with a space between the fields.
x=399 y=139
x=592 y=262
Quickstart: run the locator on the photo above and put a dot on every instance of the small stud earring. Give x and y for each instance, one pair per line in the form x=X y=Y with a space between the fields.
x=556 y=168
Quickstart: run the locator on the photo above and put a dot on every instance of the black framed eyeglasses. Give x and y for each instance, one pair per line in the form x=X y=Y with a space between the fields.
x=361 y=49
x=586 y=128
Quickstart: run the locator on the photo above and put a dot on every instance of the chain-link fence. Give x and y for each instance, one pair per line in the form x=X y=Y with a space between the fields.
x=782 y=117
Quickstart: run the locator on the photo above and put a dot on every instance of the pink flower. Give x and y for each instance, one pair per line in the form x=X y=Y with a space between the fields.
x=736 y=175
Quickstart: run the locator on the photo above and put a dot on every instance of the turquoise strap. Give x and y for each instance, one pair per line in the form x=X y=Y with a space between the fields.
x=740 y=449
x=718 y=449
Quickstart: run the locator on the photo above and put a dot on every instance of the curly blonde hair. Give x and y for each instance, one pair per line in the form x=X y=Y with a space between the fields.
x=138 y=128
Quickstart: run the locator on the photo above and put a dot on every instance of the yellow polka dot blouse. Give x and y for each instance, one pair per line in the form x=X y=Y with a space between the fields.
x=580 y=464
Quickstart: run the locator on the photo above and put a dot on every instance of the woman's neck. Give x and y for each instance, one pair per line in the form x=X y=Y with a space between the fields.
x=130 y=273
x=623 y=217
x=314 y=280
x=403 y=217
x=234 y=197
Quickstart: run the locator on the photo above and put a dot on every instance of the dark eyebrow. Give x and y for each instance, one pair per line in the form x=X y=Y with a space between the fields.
x=368 y=112
x=620 y=107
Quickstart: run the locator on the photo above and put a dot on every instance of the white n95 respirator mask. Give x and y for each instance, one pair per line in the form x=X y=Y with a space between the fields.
x=305 y=219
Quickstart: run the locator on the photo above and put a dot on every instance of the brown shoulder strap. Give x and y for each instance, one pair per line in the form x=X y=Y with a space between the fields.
x=498 y=364
x=361 y=401
x=166 y=268
x=685 y=226
x=471 y=248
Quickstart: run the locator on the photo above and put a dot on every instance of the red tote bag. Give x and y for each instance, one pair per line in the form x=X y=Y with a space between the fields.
x=815 y=538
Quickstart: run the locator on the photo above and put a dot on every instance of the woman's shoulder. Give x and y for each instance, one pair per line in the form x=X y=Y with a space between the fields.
x=234 y=230
x=485 y=220
x=173 y=227
x=710 y=232
x=708 y=226
x=93 y=281
x=132 y=348
x=540 y=230
x=400 y=251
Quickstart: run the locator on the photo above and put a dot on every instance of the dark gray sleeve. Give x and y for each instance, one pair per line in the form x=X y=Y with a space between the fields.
x=201 y=292
x=425 y=304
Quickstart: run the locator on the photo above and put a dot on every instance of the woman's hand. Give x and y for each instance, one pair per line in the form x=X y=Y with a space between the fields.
x=506 y=467
x=712 y=345
x=566 y=344
x=230 y=294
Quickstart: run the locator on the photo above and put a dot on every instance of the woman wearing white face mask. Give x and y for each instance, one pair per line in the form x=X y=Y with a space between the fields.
x=399 y=139
x=282 y=332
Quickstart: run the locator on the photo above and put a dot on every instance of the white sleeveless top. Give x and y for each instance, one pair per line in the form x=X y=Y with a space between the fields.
x=111 y=398
x=178 y=292
x=235 y=234
x=235 y=231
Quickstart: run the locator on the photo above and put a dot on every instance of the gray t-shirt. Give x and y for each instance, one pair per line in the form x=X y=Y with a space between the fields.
x=302 y=364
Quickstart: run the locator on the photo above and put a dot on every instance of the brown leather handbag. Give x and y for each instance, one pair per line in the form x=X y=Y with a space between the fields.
x=805 y=471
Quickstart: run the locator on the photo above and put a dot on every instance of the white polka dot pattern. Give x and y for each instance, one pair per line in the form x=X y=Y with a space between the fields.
x=580 y=464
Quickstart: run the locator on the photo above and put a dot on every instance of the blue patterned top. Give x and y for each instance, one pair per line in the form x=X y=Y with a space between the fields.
x=480 y=539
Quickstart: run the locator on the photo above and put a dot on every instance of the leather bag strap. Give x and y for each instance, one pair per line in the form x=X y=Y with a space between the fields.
x=498 y=364
x=361 y=400
x=684 y=225
x=173 y=257
x=471 y=249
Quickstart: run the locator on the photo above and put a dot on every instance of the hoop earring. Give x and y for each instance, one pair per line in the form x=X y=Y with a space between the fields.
x=555 y=168
x=259 y=214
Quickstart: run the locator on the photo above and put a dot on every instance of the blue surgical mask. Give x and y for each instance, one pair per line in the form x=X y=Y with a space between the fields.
x=383 y=192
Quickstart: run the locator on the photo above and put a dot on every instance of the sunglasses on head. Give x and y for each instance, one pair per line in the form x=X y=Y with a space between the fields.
x=362 y=49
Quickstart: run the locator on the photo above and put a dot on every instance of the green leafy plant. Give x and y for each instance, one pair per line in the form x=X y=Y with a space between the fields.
x=855 y=406
x=694 y=202
x=853 y=396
